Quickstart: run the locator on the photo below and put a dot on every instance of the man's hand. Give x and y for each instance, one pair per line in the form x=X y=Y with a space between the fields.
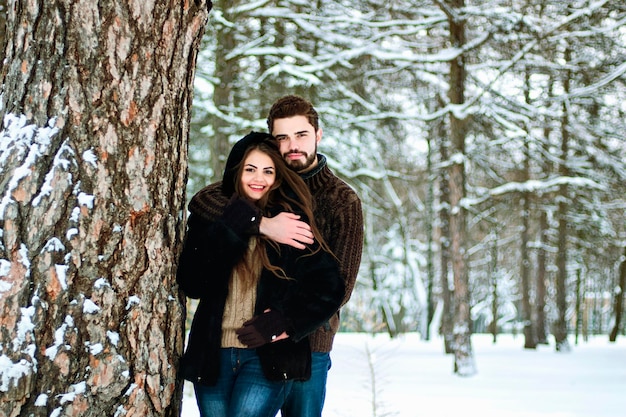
x=288 y=229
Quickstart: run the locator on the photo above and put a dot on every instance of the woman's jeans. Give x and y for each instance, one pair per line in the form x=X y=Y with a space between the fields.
x=306 y=398
x=242 y=389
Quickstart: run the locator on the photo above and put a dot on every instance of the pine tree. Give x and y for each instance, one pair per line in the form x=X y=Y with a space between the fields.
x=96 y=97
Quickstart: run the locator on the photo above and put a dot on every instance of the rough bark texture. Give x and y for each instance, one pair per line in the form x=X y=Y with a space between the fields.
x=93 y=158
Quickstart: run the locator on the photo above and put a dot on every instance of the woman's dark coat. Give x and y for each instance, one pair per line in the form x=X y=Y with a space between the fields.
x=211 y=251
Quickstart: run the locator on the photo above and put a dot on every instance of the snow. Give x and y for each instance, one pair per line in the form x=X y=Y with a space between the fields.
x=53 y=245
x=71 y=232
x=415 y=378
x=18 y=138
x=94 y=349
x=90 y=157
x=86 y=200
x=12 y=372
x=41 y=401
x=101 y=283
x=89 y=307
x=25 y=326
x=61 y=271
x=59 y=337
x=75 y=390
x=132 y=300
x=114 y=337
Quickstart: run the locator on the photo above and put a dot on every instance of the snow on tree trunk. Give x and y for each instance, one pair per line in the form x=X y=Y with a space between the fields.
x=93 y=153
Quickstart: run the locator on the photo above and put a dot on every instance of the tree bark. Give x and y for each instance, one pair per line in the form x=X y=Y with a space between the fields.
x=463 y=354
x=618 y=300
x=530 y=341
x=3 y=22
x=540 y=280
x=560 y=326
x=495 y=299
x=95 y=103
x=542 y=253
x=430 y=267
x=226 y=70
x=447 y=318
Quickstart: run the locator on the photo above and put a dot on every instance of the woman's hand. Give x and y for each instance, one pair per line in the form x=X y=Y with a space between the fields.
x=268 y=327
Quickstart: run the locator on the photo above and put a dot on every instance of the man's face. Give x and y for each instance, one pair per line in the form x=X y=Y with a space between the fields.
x=298 y=141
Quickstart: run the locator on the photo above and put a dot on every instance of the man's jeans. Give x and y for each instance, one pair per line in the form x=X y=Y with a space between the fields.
x=306 y=398
x=242 y=389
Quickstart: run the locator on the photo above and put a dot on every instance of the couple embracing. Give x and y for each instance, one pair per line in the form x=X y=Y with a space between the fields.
x=271 y=252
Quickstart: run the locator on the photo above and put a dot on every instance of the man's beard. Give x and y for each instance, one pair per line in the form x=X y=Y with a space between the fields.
x=299 y=165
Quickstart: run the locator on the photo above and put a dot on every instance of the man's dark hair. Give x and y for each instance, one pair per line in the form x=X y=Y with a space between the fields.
x=290 y=106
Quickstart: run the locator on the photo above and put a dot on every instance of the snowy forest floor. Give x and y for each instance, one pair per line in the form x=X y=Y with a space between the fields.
x=408 y=377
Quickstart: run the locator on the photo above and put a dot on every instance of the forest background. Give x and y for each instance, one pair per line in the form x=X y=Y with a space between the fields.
x=485 y=138
x=486 y=143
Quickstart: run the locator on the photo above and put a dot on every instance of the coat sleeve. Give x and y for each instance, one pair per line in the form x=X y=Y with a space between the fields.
x=212 y=249
x=210 y=204
x=314 y=294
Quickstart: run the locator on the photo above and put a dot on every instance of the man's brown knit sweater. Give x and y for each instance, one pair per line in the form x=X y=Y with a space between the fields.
x=338 y=216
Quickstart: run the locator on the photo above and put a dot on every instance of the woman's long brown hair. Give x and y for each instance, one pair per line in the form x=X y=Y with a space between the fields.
x=288 y=192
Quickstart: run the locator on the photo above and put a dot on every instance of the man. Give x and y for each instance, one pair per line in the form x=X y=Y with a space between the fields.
x=294 y=122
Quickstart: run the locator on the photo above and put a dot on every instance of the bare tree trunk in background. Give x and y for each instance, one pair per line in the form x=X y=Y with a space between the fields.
x=530 y=341
x=430 y=267
x=542 y=254
x=540 y=281
x=560 y=326
x=95 y=103
x=579 y=292
x=447 y=318
x=494 y=288
x=618 y=300
x=463 y=355
x=226 y=71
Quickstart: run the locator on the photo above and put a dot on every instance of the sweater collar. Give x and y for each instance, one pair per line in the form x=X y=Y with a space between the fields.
x=321 y=164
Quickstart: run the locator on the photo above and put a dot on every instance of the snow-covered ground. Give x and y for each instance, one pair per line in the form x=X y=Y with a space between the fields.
x=413 y=378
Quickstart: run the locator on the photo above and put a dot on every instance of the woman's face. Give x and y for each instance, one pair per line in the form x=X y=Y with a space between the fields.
x=259 y=174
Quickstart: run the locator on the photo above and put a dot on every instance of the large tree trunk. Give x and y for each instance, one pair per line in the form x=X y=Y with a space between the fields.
x=463 y=354
x=95 y=105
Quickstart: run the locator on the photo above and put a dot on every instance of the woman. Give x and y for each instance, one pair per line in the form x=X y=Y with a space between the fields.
x=258 y=300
